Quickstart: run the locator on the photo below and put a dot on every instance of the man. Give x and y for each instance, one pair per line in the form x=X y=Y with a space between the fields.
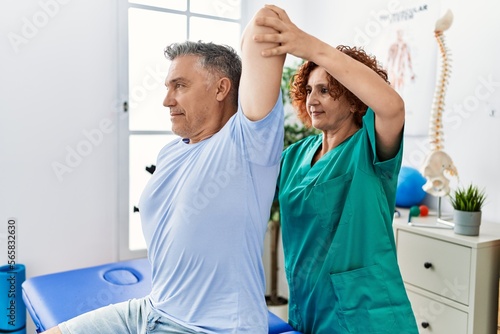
x=205 y=210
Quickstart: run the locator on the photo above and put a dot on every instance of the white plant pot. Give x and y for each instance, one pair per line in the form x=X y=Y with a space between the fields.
x=466 y=222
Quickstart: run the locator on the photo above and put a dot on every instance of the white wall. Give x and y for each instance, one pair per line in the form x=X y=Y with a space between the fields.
x=473 y=140
x=472 y=136
x=58 y=87
x=57 y=90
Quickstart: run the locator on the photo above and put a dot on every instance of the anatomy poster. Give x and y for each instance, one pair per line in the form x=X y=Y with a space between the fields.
x=406 y=47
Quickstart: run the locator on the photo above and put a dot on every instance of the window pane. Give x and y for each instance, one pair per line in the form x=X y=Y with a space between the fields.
x=221 y=32
x=149 y=33
x=169 y=4
x=144 y=150
x=230 y=9
x=136 y=238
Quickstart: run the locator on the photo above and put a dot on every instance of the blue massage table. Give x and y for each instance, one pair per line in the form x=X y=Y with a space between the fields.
x=54 y=298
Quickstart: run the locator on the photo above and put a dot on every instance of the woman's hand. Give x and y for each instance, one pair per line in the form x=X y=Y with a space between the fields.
x=290 y=38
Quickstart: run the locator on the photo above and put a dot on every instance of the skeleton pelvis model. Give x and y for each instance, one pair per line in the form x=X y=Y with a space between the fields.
x=437 y=164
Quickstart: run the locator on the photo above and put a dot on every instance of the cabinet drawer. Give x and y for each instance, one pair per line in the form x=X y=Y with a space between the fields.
x=435 y=265
x=435 y=317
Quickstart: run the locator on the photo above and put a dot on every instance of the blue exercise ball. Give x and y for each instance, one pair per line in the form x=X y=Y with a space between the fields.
x=409 y=191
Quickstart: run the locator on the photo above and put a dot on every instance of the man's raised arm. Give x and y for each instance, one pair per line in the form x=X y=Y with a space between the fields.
x=261 y=76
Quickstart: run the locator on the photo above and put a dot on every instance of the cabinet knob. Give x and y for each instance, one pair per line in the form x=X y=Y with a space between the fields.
x=427 y=265
x=425 y=324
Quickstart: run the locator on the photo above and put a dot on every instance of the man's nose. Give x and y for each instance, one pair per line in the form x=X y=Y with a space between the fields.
x=169 y=101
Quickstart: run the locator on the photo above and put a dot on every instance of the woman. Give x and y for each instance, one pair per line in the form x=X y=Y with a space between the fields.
x=337 y=190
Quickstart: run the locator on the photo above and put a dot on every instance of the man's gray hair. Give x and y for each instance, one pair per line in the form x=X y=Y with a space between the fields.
x=217 y=59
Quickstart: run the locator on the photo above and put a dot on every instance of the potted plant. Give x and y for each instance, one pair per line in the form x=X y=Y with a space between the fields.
x=294 y=131
x=467 y=203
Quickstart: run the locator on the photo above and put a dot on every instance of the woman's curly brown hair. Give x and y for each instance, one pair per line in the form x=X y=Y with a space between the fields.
x=298 y=85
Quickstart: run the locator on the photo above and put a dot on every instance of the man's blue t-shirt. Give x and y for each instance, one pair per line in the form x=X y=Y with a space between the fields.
x=204 y=215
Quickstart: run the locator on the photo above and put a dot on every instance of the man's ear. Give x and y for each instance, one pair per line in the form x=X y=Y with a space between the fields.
x=223 y=88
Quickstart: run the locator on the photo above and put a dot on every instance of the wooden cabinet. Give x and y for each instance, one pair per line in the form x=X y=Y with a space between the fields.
x=451 y=280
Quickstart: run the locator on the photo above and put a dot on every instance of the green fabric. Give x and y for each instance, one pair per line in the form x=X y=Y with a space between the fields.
x=340 y=257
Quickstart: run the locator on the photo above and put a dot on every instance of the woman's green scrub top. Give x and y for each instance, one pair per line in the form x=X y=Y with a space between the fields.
x=340 y=258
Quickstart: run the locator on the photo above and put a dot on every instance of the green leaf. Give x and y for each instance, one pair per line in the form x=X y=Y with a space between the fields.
x=469 y=198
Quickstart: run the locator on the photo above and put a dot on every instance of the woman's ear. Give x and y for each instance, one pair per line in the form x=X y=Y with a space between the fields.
x=353 y=108
x=223 y=88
